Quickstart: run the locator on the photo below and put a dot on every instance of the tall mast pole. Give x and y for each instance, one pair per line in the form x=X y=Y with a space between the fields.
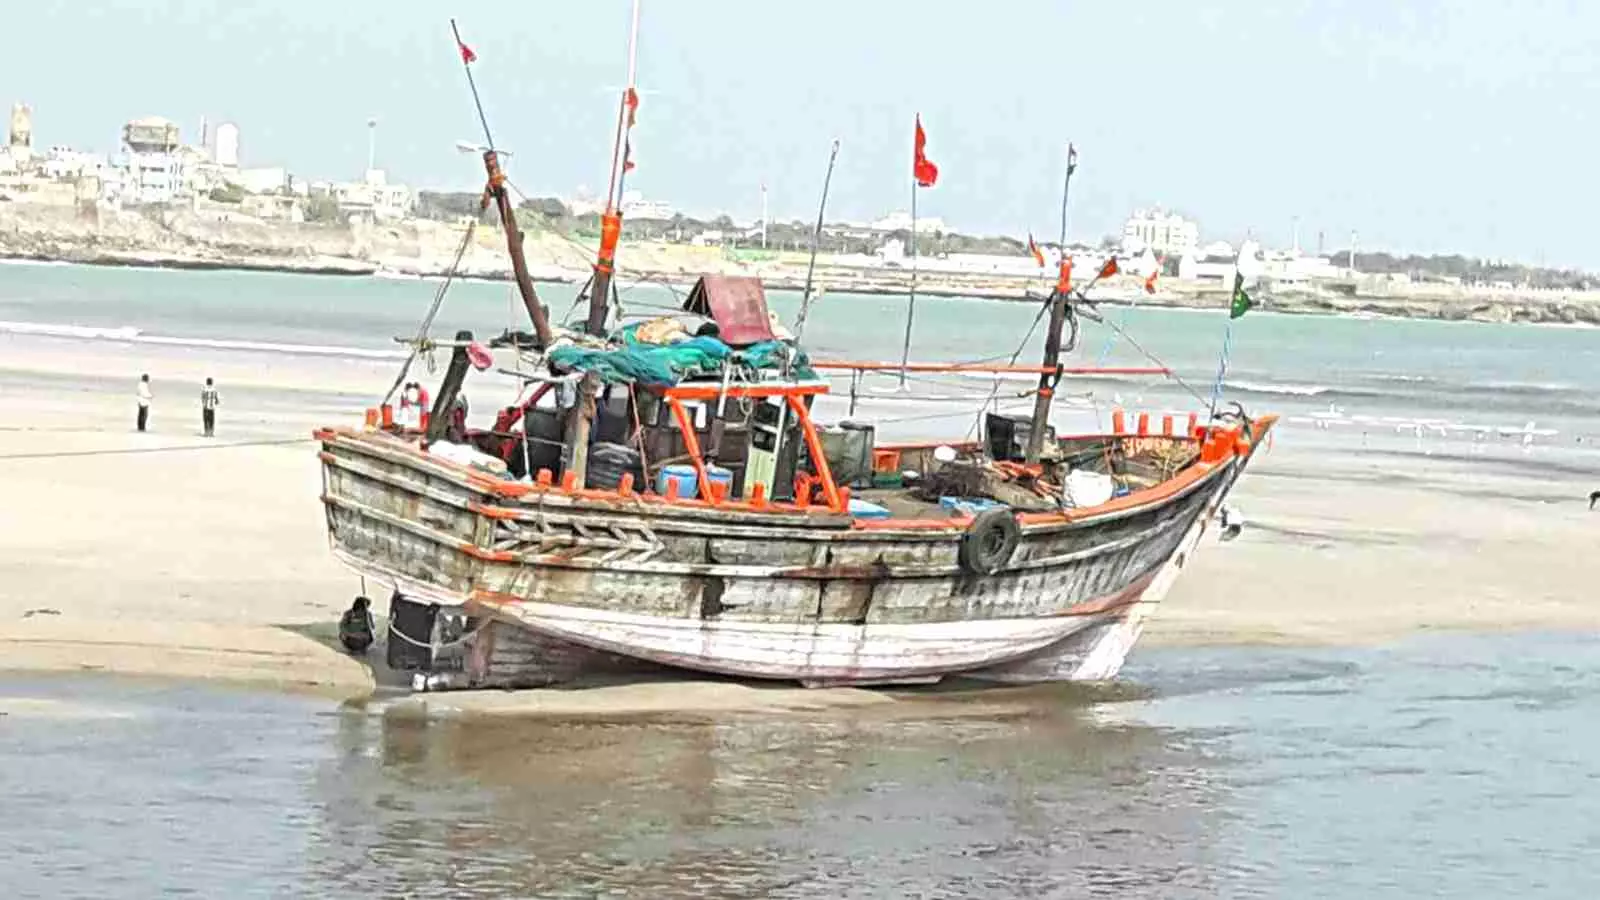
x=911 y=303
x=1052 y=337
x=611 y=221
x=816 y=241
x=495 y=193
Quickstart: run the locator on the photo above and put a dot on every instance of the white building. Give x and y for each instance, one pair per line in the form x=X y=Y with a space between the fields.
x=635 y=206
x=901 y=221
x=148 y=178
x=373 y=199
x=151 y=164
x=227 y=147
x=1292 y=269
x=1167 y=234
x=65 y=163
x=1218 y=261
x=263 y=180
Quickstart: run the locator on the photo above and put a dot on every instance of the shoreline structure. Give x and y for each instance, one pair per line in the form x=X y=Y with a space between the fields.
x=184 y=239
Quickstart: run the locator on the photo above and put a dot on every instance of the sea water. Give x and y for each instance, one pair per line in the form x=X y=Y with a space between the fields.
x=1453 y=767
x=1426 y=383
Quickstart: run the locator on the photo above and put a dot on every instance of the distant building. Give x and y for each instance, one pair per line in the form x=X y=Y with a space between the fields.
x=901 y=221
x=227 y=146
x=264 y=180
x=1218 y=261
x=1292 y=269
x=63 y=163
x=273 y=207
x=1167 y=234
x=373 y=199
x=635 y=206
x=21 y=134
x=152 y=168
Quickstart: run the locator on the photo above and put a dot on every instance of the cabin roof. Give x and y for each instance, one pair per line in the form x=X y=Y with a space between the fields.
x=737 y=303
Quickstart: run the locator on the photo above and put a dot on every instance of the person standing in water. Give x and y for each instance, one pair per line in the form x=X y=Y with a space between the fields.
x=208 y=407
x=144 y=400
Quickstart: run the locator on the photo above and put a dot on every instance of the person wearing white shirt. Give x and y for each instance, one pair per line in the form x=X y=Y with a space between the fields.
x=144 y=400
x=209 y=401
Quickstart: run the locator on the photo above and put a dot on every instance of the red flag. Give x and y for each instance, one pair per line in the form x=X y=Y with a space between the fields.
x=1033 y=249
x=1150 y=280
x=1064 y=280
x=631 y=98
x=467 y=56
x=924 y=171
x=1109 y=269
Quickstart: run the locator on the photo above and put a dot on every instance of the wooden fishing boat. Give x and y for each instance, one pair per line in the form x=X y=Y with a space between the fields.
x=660 y=502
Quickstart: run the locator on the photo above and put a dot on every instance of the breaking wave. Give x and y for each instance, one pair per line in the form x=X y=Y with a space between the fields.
x=128 y=334
x=1291 y=390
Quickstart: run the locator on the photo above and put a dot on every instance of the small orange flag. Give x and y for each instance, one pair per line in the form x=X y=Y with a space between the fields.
x=1064 y=280
x=1033 y=249
x=1150 y=280
x=1110 y=268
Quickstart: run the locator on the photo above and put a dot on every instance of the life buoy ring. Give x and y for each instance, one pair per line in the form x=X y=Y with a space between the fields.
x=990 y=541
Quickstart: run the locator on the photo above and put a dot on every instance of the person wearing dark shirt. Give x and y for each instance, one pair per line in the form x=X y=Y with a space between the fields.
x=356 y=629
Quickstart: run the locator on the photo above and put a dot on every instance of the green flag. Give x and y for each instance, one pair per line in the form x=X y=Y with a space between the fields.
x=1241 y=301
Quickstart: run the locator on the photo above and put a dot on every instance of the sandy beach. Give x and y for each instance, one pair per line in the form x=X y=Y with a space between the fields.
x=168 y=554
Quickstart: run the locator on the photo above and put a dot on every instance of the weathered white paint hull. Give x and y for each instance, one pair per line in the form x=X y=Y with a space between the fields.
x=834 y=653
x=758 y=594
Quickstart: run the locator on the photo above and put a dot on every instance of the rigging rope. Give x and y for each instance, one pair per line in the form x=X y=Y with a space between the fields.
x=421 y=339
x=1222 y=366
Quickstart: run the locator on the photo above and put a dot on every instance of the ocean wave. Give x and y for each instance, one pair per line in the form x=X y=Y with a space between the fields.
x=1522 y=387
x=49 y=329
x=1291 y=390
x=128 y=334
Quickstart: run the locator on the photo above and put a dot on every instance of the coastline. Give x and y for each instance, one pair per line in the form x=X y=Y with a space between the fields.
x=183 y=240
x=128 y=556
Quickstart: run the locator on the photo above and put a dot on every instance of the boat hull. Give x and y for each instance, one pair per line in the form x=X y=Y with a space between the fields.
x=816 y=599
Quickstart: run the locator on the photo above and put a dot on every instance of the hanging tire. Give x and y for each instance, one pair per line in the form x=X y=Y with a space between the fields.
x=990 y=542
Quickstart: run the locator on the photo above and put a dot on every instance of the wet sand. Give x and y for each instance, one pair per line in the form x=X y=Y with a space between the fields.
x=168 y=554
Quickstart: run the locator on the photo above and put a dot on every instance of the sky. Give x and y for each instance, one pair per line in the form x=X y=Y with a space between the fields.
x=1427 y=126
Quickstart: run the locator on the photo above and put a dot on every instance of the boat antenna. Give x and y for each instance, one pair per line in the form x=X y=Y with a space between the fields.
x=611 y=219
x=816 y=239
x=1060 y=296
x=467 y=58
x=495 y=192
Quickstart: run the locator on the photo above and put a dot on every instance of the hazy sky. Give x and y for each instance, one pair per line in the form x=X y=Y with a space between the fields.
x=1434 y=127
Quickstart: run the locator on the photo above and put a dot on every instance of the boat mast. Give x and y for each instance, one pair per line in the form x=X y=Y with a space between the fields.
x=519 y=263
x=611 y=219
x=495 y=192
x=1059 y=297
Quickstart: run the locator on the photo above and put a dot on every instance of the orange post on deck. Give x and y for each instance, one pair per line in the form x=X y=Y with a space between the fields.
x=372 y=417
x=386 y=412
x=1166 y=425
x=1144 y=424
x=1119 y=422
x=691 y=443
x=830 y=492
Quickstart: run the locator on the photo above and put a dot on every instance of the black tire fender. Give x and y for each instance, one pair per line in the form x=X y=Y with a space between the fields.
x=990 y=541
